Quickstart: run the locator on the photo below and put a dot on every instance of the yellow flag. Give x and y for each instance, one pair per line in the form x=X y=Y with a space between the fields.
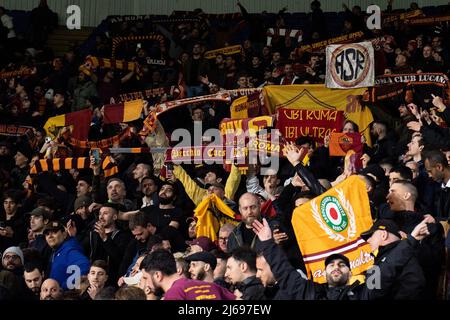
x=238 y=109
x=211 y=214
x=318 y=97
x=331 y=223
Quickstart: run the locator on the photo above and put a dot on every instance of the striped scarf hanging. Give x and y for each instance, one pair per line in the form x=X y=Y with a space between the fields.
x=91 y=63
x=288 y=33
x=46 y=165
x=101 y=144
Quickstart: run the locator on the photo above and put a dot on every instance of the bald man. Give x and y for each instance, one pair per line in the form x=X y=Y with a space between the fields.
x=50 y=290
x=243 y=235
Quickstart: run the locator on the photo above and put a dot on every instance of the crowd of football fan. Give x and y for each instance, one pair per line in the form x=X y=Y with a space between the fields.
x=76 y=234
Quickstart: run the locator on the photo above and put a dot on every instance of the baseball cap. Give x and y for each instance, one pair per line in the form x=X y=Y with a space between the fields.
x=53 y=226
x=39 y=212
x=375 y=170
x=204 y=256
x=382 y=224
x=82 y=201
x=203 y=242
x=336 y=256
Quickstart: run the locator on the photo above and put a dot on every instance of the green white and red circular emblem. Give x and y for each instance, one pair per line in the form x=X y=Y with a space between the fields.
x=333 y=214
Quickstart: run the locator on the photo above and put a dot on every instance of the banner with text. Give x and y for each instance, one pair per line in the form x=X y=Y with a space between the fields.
x=318 y=97
x=350 y=65
x=331 y=223
x=294 y=123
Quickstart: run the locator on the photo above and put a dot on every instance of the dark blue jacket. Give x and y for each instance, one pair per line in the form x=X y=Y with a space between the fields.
x=69 y=253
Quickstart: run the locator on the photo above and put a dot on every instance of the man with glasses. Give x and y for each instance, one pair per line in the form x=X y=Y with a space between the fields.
x=224 y=233
x=12 y=259
x=11 y=275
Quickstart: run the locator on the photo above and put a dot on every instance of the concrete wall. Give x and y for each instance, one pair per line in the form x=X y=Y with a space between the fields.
x=94 y=11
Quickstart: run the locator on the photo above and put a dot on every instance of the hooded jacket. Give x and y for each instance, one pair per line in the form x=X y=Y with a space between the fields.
x=68 y=254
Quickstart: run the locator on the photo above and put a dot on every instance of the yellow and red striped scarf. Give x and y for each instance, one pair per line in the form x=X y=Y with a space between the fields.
x=101 y=144
x=45 y=165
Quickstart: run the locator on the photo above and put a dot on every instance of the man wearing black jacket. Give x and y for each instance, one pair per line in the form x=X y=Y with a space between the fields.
x=409 y=284
x=438 y=169
x=241 y=272
x=337 y=269
x=272 y=290
x=401 y=199
x=106 y=241
x=242 y=235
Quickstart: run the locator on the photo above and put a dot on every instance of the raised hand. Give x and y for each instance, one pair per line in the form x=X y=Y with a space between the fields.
x=297 y=181
x=438 y=103
x=414 y=126
x=421 y=231
x=365 y=160
x=262 y=230
x=292 y=153
x=414 y=110
x=100 y=229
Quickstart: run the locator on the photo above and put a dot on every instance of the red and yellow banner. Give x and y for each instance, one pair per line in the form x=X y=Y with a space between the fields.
x=294 y=123
x=123 y=112
x=248 y=106
x=331 y=223
x=79 y=120
x=341 y=143
x=318 y=97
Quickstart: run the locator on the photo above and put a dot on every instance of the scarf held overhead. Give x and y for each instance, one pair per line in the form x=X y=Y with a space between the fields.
x=46 y=165
x=123 y=112
x=80 y=120
x=163 y=107
x=211 y=214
